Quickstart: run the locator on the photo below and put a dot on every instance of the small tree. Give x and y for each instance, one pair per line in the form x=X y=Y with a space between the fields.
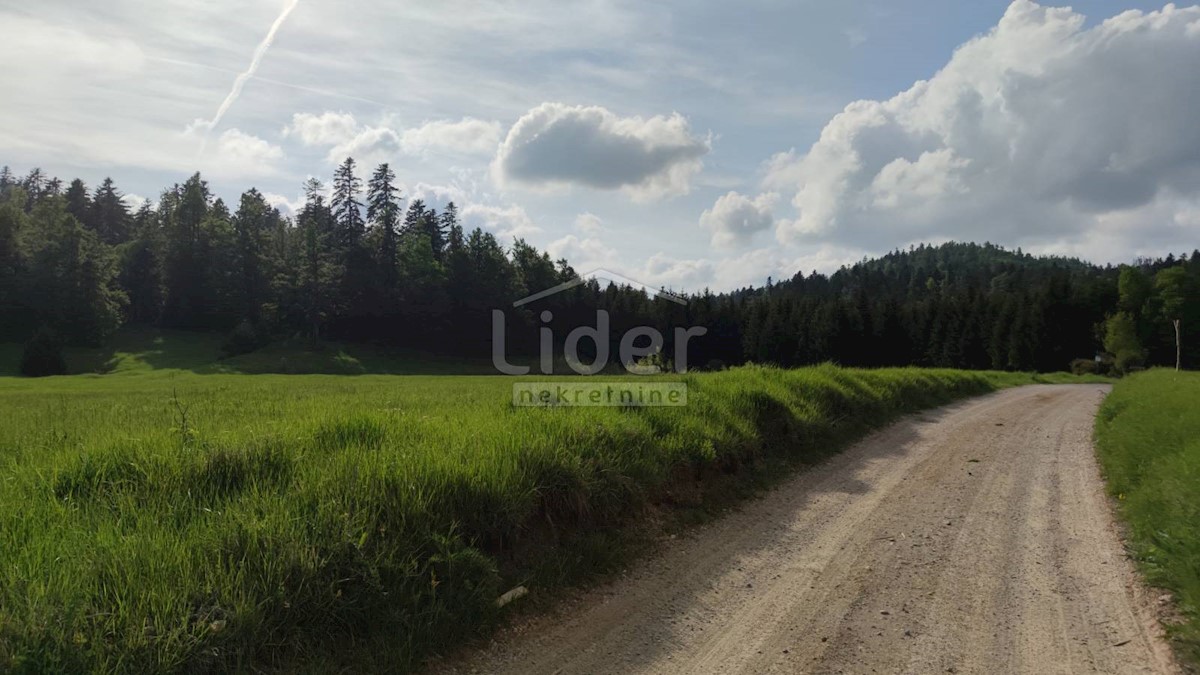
x=1120 y=339
x=43 y=355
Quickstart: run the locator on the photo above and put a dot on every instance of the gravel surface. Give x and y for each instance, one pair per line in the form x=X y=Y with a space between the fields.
x=974 y=538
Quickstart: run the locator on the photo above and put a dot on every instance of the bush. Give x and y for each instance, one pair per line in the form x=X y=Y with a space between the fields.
x=243 y=339
x=43 y=355
x=1085 y=367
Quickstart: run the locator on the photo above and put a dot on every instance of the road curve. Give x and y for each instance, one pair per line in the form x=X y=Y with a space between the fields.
x=971 y=539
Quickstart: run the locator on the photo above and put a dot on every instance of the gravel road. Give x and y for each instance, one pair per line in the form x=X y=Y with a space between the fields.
x=974 y=538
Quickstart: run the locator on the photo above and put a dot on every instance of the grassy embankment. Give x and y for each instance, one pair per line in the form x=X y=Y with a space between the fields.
x=164 y=520
x=1148 y=436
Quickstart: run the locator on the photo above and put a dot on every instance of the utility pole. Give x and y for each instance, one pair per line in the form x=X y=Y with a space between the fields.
x=1178 y=348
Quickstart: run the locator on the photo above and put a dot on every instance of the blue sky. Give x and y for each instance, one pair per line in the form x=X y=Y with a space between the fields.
x=688 y=144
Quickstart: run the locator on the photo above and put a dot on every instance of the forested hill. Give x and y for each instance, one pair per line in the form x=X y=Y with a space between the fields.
x=358 y=263
x=965 y=305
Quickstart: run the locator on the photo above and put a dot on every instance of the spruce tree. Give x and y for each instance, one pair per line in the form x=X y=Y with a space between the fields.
x=347 y=210
x=383 y=210
x=110 y=214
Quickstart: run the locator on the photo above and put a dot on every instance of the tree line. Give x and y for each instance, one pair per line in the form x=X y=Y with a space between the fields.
x=359 y=263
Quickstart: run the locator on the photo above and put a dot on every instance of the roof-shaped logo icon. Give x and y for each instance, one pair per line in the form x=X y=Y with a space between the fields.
x=601 y=273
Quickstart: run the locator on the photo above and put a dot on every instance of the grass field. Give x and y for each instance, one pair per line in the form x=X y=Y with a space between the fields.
x=144 y=350
x=1148 y=436
x=157 y=520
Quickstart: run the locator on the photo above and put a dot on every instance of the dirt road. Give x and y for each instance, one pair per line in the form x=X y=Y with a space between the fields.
x=971 y=539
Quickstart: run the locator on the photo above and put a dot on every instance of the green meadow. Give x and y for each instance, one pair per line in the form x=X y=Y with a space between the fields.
x=1148 y=438
x=179 y=515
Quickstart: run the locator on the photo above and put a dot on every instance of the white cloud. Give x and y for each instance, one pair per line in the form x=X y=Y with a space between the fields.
x=466 y=136
x=1034 y=132
x=246 y=152
x=692 y=275
x=735 y=218
x=368 y=144
x=555 y=145
x=584 y=253
x=680 y=275
x=286 y=206
x=589 y=223
x=63 y=52
x=133 y=201
x=437 y=196
x=328 y=128
x=507 y=221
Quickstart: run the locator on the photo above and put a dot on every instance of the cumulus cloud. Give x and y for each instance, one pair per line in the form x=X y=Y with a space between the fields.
x=466 y=136
x=246 y=150
x=509 y=221
x=751 y=268
x=1031 y=132
x=735 y=218
x=133 y=201
x=584 y=253
x=328 y=128
x=589 y=223
x=287 y=206
x=556 y=145
x=235 y=152
x=346 y=137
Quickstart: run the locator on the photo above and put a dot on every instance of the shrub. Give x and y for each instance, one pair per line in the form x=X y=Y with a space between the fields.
x=243 y=339
x=1085 y=367
x=43 y=355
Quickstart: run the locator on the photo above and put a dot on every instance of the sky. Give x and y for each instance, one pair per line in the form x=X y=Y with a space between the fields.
x=683 y=144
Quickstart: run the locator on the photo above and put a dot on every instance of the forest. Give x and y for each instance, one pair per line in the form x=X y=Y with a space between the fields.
x=360 y=263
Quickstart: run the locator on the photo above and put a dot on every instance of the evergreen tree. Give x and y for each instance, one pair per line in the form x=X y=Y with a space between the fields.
x=383 y=210
x=110 y=214
x=71 y=278
x=320 y=275
x=79 y=204
x=142 y=270
x=433 y=227
x=34 y=184
x=252 y=226
x=414 y=217
x=347 y=210
x=183 y=210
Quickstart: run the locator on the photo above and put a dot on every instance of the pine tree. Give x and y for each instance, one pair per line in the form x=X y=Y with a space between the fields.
x=414 y=217
x=347 y=210
x=252 y=225
x=383 y=210
x=319 y=275
x=34 y=185
x=13 y=224
x=71 y=279
x=183 y=210
x=110 y=214
x=433 y=228
x=79 y=204
x=142 y=268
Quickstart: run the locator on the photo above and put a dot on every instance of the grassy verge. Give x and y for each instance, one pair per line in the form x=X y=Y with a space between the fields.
x=1148 y=436
x=168 y=522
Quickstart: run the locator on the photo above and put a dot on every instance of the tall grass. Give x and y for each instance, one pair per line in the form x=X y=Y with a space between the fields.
x=1148 y=436
x=214 y=523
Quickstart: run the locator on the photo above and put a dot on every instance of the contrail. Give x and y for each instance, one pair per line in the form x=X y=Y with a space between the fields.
x=240 y=80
